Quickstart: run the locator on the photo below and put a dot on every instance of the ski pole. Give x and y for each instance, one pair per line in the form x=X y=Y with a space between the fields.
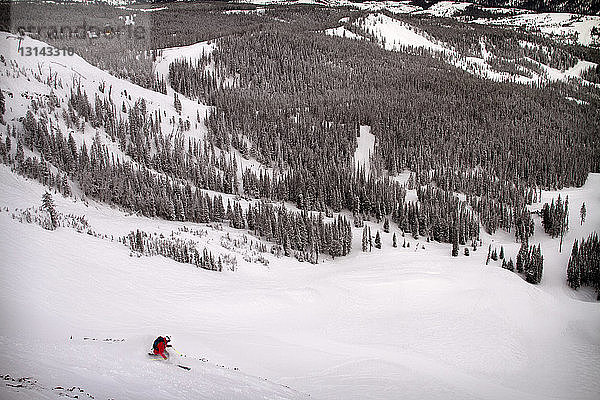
x=177 y=351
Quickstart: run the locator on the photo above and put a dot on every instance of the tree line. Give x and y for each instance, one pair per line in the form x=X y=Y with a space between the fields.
x=584 y=264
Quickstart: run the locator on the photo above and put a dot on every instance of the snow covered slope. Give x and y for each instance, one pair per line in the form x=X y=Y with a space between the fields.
x=410 y=320
x=572 y=27
x=446 y=9
x=27 y=77
x=395 y=35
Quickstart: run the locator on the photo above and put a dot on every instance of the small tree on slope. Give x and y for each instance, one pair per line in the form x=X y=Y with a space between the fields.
x=48 y=205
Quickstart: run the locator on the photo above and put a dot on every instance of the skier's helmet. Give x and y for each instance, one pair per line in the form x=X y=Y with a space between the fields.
x=168 y=338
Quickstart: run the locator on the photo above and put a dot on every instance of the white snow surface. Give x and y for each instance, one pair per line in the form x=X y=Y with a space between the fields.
x=394 y=34
x=364 y=149
x=367 y=326
x=397 y=7
x=342 y=31
x=446 y=9
x=411 y=322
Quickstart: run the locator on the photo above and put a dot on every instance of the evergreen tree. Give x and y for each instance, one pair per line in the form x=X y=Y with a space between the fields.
x=177 y=103
x=20 y=155
x=564 y=224
x=573 y=270
x=455 y=247
x=2 y=107
x=335 y=249
x=582 y=213
x=494 y=255
x=522 y=256
x=534 y=267
x=583 y=268
x=394 y=242
x=377 y=240
x=48 y=206
x=510 y=265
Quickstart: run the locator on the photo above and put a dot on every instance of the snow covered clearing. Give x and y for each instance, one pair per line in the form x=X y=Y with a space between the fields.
x=254 y=11
x=396 y=7
x=191 y=53
x=446 y=9
x=343 y=32
x=151 y=9
x=410 y=320
x=578 y=101
x=364 y=149
x=572 y=27
x=574 y=72
x=394 y=34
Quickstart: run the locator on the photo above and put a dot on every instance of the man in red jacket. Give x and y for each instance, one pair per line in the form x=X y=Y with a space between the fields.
x=160 y=345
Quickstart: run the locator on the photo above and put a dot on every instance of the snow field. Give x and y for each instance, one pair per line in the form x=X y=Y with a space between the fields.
x=343 y=32
x=575 y=28
x=365 y=148
x=399 y=322
x=395 y=35
x=407 y=320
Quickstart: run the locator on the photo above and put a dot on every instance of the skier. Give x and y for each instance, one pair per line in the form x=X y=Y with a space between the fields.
x=160 y=345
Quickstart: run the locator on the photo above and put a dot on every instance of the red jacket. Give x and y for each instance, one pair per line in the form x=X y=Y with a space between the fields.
x=161 y=346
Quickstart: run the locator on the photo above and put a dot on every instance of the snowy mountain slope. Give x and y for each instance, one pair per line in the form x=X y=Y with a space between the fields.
x=28 y=76
x=446 y=9
x=393 y=34
x=396 y=35
x=369 y=326
x=88 y=287
x=414 y=320
x=571 y=27
x=192 y=53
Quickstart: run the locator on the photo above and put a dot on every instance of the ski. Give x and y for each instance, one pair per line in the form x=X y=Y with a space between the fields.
x=158 y=358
